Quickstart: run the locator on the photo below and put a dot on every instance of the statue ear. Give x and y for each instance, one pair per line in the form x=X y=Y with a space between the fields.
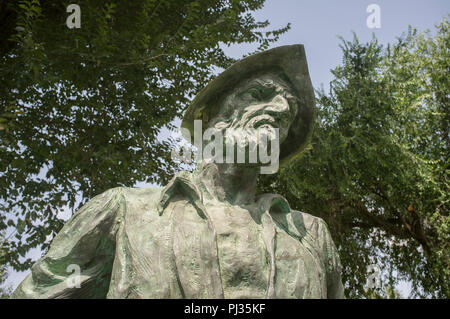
x=198 y=114
x=284 y=77
x=205 y=117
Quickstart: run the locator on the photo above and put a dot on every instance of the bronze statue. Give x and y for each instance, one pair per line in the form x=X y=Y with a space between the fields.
x=206 y=234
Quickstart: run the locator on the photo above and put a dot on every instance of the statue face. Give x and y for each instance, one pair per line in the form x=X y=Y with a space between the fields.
x=261 y=101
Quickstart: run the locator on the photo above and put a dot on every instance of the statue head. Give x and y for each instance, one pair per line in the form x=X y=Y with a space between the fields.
x=270 y=89
x=262 y=101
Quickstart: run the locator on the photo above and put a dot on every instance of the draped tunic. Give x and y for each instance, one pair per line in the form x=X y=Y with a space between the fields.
x=175 y=242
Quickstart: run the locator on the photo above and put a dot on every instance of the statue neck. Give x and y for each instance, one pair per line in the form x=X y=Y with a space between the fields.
x=228 y=182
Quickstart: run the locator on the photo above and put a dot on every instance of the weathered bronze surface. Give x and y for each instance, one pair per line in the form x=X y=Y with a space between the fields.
x=206 y=234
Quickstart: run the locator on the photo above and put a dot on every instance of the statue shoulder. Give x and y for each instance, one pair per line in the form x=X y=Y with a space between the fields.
x=278 y=205
x=314 y=225
x=155 y=199
x=138 y=193
x=145 y=198
x=118 y=199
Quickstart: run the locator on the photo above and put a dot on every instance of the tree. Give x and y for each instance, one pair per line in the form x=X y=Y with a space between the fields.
x=81 y=108
x=378 y=167
x=5 y=291
x=387 y=293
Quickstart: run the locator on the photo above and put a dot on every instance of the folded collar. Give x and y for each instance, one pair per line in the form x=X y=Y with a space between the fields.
x=274 y=204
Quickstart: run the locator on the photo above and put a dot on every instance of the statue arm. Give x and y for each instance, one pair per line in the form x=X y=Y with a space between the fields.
x=84 y=246
x=335 y=289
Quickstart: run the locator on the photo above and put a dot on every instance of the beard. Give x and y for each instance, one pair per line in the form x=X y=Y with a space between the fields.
x=242 y=145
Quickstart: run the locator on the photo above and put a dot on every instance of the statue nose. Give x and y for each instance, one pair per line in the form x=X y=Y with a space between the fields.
x=279 y=104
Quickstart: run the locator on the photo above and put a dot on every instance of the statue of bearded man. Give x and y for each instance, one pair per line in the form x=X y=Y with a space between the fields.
x=206 y=234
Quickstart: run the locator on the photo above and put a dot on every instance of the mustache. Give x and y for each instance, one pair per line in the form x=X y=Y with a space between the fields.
x=259 y=116
x=265 y=114
x=258 y=120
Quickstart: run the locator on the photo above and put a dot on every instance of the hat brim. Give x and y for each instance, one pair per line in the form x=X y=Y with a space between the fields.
x=288 y=61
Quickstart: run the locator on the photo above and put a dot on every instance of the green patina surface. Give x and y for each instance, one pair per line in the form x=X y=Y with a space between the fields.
x=125 y=249
x=206 y=234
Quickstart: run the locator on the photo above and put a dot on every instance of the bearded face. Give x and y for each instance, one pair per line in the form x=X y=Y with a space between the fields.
x=262 y=105
x=264 y=101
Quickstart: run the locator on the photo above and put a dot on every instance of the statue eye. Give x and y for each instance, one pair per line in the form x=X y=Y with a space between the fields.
x=259 y=93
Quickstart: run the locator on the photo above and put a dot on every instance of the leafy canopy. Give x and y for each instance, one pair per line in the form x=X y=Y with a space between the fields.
x=378 y=167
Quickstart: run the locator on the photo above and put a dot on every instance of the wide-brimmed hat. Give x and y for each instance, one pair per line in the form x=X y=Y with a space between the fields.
x=289 y=62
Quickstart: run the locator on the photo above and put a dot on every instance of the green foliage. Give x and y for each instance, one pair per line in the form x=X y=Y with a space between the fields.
x=387 y=293
x=5 y=291
x=378 y=168
x=81 y=109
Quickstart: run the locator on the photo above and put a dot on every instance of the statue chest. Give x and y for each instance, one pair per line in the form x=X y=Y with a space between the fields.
x=243 y=258
x=227 y=254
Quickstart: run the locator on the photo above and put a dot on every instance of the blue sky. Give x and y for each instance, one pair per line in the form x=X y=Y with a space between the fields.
x=317 y=24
